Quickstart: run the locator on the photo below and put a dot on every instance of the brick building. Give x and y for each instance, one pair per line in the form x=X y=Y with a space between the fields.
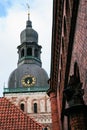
x=68 y=78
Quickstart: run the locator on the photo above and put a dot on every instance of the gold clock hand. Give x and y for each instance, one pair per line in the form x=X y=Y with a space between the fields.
x=28 y=82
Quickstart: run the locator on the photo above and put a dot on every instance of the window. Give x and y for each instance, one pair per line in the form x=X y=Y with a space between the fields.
x=29 y=51
x=45 y=128
x=22 y=106
x=76 y=71
x=35 y=107
x=65 y=26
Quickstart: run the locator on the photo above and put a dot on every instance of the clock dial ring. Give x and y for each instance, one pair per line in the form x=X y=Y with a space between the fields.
x=28 y=80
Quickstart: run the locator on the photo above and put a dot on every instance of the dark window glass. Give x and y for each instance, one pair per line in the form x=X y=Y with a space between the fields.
x=29 y=51
x=35 y=107
x=22 y=107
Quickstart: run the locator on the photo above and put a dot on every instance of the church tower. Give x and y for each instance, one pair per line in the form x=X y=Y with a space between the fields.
x=27 y=84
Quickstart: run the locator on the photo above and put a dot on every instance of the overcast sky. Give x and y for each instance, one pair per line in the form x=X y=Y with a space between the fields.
x=13 y=17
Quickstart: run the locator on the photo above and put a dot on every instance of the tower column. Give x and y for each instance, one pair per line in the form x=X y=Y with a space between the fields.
x=33 y=49
x=25 y=51
x=39 y=52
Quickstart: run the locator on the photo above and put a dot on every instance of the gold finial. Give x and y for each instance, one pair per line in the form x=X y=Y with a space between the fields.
x=28 y=7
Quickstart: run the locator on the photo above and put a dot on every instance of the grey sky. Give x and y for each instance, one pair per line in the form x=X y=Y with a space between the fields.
x=11 y=25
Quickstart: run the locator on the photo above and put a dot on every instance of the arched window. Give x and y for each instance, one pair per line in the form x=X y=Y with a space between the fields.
x=22 y=53
x=35 y=107
x=65 y=26
x=76 y=71
x=29 y=51
x=45 y=128
x=22 y=106
x=63 y=44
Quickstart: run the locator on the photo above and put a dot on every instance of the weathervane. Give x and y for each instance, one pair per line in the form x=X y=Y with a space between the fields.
x=28 y=7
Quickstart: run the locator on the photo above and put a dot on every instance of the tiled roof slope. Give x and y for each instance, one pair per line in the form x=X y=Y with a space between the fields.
x=12 y=118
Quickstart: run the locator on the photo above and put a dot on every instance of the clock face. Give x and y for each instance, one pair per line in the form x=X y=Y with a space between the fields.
x=28 y=80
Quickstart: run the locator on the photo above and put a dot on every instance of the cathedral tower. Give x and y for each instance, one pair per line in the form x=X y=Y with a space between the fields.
x=27 y=84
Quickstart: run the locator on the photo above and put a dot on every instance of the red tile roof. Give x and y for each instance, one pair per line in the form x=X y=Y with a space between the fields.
x=12 y=118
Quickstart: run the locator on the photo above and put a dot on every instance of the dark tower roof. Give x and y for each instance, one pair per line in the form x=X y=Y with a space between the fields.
x=29 y=50
x=29 y=34
x=28 y=69
x=29 y=62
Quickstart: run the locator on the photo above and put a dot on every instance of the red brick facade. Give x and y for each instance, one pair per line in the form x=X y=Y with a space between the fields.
x=69 y=64
x=79 y=54
x=54 y=111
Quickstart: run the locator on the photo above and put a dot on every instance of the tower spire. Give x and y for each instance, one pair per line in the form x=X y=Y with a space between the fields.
x=28 y=7
x=28 y=23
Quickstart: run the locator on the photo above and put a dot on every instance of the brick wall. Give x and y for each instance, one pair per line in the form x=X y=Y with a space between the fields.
x=79 y=53
x=76 y=122
x=72 y=36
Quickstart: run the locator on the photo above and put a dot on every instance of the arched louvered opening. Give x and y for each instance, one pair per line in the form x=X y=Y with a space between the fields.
x=29 y=51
